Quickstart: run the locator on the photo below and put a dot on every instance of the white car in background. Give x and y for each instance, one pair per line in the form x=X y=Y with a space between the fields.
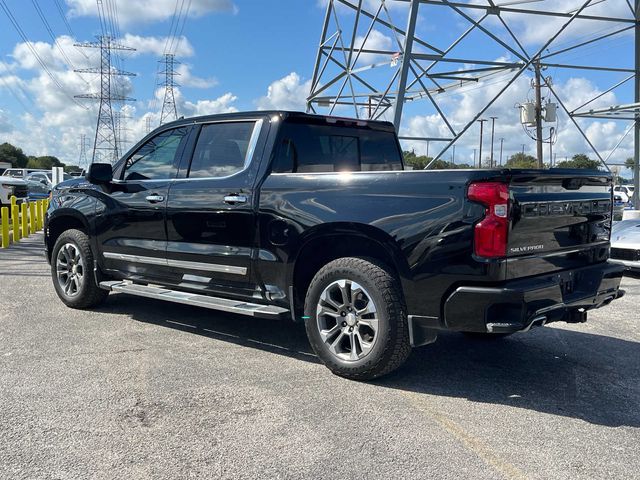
x=625 y=191
x=10 y=187
x=625 y=244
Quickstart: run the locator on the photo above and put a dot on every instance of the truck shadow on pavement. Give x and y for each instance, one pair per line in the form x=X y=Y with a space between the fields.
x=585 y=376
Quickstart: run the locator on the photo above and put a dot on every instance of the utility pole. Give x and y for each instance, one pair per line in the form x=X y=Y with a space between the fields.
x=538 y=89
x=481 y=121
x=523 y=145
x=501 y=148
x=105 y=145
x=474 y=157
x=493 y=131
x=551 y=146
x=453 y=155
x=169 y=110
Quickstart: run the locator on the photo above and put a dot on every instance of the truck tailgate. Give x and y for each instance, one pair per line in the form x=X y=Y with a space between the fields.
x=560 y=220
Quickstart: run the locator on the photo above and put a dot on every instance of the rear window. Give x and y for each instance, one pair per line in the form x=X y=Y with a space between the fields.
x=304 y=148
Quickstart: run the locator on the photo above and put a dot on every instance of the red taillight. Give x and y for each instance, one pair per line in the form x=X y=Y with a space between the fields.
x=491 y=233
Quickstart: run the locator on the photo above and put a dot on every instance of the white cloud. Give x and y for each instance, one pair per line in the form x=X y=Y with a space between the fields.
x=286 y=93
x=188 y=79
x=157 y=45
x=147 y=11
x=5 y=125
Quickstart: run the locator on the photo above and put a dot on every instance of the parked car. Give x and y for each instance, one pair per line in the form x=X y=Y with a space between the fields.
x=288 y=215
x=625 y=244
x=39 y=185
x=625 y=191
x=12 y=187
x=39 y=181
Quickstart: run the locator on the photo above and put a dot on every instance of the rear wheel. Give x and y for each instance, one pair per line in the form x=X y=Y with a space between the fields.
x=356 y=319
x=72 y=271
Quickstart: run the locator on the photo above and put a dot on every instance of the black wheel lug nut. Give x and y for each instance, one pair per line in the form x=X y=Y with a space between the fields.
x=344 y=324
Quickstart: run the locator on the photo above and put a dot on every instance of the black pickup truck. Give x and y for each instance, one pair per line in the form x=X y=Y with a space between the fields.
x=287 y=215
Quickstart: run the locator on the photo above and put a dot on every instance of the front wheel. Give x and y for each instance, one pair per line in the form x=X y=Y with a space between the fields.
x=356 y=319
x=72 y=271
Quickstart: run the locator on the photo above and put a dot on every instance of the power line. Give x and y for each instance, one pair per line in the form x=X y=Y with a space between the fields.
x=29 y=45
x=53 y=37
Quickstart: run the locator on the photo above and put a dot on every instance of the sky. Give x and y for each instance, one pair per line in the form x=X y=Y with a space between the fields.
x=240 y=55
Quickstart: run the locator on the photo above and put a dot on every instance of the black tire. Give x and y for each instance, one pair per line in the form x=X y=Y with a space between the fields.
x=391 y=347
x=88 y=294
x=486 y=335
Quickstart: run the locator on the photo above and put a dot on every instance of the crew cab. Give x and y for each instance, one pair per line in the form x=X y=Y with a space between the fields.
x=313 y=218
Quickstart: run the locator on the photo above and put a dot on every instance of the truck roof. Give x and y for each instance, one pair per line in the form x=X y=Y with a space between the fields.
x=287 y=114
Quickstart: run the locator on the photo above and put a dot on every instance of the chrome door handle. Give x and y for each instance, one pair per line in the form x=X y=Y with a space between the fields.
x=233 y=199
x=154 y=198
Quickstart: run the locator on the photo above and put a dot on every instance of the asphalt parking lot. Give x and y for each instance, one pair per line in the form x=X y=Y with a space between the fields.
x=143 y=389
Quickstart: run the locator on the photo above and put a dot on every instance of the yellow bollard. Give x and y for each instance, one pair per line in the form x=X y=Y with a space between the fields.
x=15 y=222
x=39 y=214
x=24 y=217
x=4 y=217
x=14 y=202
x=43 y=211
x=32 y=218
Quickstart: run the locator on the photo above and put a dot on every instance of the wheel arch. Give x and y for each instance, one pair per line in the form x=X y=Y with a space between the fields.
x=60 y=221
x=328 y=242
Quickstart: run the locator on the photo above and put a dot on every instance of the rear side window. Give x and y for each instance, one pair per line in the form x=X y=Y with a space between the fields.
x=222 y=149
x=325 y=148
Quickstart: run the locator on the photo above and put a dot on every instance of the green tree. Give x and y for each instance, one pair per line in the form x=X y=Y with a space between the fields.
x=579 y=160
x=521 y=160
x=629 y=163
x=417 y=162
x=44 y=162
x=14 y=155
x=72 y=169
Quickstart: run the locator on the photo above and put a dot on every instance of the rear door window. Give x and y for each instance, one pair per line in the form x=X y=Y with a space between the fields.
x=223 y=149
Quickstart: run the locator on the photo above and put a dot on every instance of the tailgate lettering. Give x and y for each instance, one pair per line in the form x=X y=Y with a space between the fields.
x=561 y=209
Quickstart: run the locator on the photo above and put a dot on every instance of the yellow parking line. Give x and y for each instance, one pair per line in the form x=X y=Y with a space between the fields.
x=475 y=445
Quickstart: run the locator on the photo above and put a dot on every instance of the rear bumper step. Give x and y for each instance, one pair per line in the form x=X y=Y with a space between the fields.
x=213 y=303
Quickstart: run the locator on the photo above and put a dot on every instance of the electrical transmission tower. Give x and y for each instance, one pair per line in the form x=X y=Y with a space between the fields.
x=169 y=110
x=119 y=122
x=387 y=59
x=105 y=146
x=82 y=159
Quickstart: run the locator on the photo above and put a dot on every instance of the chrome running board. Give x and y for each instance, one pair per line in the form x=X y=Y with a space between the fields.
x=196 y=300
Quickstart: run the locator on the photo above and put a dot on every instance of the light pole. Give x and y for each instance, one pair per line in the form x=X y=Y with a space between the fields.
x=493 y=131
x=453 y=155
x=481 y=121
x=501 y=148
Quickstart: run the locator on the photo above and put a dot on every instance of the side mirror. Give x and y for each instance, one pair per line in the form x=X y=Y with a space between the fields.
x=100 y=173
x=44 y=182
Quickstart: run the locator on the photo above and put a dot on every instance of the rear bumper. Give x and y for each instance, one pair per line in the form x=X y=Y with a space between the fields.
x=628 y=264
x=521 y=304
